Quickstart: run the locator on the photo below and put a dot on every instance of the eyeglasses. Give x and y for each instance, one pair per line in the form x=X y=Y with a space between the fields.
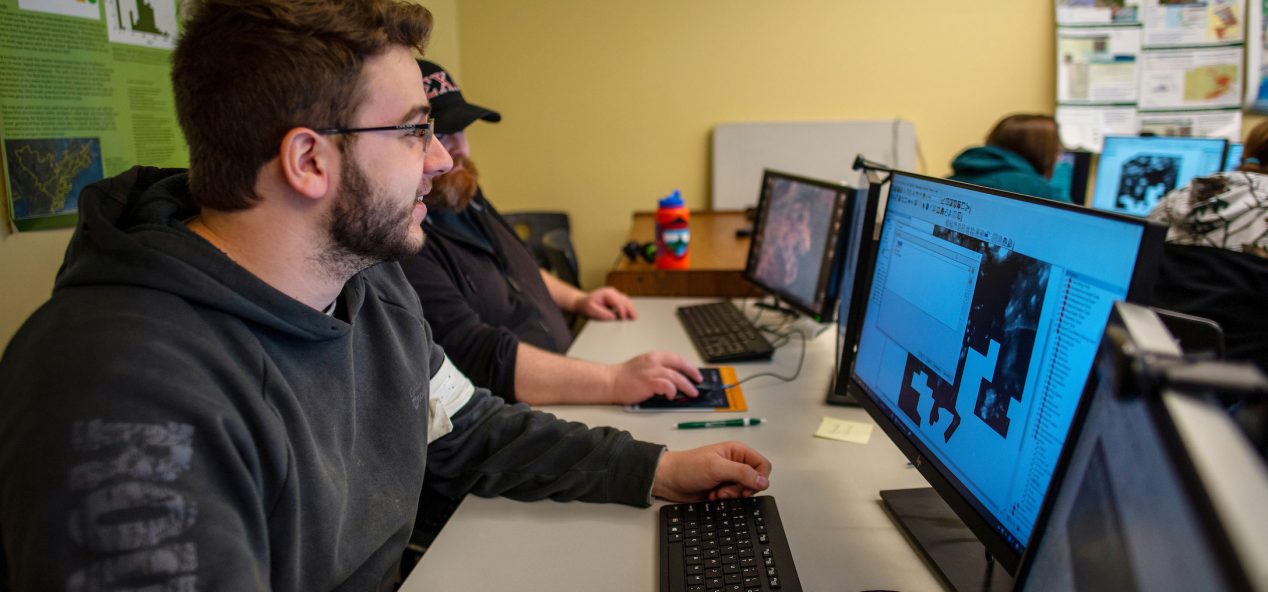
x=423 y=131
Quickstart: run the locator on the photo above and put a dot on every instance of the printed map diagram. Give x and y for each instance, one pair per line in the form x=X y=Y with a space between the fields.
x=46 y=175
x=1208 y=83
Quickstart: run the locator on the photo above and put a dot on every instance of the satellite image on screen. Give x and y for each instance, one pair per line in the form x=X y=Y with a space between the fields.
x=794 y=231
x=1002 y=324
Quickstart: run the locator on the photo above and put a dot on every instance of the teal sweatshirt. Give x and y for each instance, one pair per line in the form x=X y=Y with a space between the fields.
x=1000 y=168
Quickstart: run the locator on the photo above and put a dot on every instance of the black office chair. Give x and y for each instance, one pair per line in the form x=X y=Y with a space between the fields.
x=549 y=238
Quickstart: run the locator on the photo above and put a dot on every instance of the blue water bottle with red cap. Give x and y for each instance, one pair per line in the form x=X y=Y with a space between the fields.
x=673 y=235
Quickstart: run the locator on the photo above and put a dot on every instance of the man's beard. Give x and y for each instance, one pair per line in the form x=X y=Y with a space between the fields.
x=454 y=190
x=366 y=226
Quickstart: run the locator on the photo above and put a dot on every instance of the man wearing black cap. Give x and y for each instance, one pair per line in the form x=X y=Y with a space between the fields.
x=494 y=310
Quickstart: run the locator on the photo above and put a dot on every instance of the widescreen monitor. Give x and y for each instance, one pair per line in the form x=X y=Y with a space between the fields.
x=1070 y=175
x=981 y=323
x=1157 y=489
x=1234 y=157
x=797 y=240
x=1134 y=172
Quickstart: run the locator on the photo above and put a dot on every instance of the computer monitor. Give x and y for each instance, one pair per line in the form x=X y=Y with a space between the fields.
x=1070 y=175
x=796 y=241
x=1234 y=157
x=1157 y=489
x=853 y=272
x=982 y=320
x=1134 y=172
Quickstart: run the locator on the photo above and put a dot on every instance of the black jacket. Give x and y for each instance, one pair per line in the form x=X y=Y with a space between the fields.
x=1228 y=287
x=482 y=302
x=169 y=421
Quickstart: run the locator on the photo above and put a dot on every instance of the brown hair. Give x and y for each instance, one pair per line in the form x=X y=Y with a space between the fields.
x=1256 y=147
x=1032 y=136
x=246 y=72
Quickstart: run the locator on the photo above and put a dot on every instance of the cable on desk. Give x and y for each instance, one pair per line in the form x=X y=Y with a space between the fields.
x=800 y=360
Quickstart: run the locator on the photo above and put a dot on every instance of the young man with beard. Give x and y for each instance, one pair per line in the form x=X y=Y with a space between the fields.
x=229 y=389
x=498 y=315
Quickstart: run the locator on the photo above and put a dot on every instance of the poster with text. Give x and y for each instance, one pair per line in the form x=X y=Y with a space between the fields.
x=1193 y=22
x=84 y=94
x=1097 y=64
x=1084 y=128
x=1225 y=123
x=1098 y=12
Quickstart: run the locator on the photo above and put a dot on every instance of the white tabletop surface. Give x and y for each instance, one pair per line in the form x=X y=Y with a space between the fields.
x=827 y=491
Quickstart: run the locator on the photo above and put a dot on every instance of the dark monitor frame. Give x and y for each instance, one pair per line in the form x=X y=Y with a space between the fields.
x=1080 y=176
x=826 y=281
x=1136 y=337
x=1139 y=290
x=1228 y=151
x=848 y=332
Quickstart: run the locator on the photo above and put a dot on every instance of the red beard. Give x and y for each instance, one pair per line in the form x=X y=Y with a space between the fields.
x=455 y=189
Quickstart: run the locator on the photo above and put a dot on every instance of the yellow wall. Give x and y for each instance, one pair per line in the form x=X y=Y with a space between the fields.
x=608 y=106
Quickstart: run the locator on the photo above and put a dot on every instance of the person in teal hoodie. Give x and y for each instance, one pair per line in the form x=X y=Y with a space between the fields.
x=1019 y=156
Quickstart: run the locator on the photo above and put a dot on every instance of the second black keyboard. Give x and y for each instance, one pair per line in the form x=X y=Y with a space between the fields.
x=728 y=545
x=721 y=333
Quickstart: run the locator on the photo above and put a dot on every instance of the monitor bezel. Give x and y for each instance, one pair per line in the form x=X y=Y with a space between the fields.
x=827 y=259
x=1100 y=170
x=1228 y=151
x=1080 y=176
x=1148 y=257
x=1139 y=325
x=858 y=291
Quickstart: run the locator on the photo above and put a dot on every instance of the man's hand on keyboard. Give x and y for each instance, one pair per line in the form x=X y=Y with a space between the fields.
x=727 y=470
x=653 y=373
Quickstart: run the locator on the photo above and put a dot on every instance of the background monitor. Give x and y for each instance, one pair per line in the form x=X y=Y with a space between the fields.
x=854 y=271
x=796 y=241
x=982 y=320
x=1234 y=157
x=1157 y=490
x=1134 y=172
x=1070 y=175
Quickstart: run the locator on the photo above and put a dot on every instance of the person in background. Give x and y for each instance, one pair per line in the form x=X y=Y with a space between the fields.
x=1019 y=156
x=1215 y=263
x=1227 y=210
x=232 y=386
x=496 y=312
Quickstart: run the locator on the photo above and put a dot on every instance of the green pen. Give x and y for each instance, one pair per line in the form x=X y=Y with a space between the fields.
x=722 y=423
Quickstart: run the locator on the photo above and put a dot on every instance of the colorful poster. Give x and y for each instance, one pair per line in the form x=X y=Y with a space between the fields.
x=84 y=94
x=1098 y=12
x=1193 y=22
x=1191 y=78
x=1097 y=64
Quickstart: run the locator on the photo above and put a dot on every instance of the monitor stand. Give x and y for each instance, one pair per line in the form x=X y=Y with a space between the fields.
x=944 y=541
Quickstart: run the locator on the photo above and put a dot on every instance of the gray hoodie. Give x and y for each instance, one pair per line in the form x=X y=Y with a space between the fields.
x=170 y=422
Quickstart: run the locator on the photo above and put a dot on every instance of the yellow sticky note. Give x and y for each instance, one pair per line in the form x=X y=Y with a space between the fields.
x=845 y=431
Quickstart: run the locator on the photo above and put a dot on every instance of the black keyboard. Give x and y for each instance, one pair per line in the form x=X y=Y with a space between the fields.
x=728 y=546
x=722 y=334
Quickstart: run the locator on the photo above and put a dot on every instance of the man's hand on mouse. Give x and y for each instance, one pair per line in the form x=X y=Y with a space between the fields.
x=653 y=373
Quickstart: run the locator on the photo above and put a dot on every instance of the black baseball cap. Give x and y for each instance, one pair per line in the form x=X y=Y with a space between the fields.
x=453 y=113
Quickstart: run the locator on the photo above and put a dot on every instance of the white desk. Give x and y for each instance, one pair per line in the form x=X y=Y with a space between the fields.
x=840 y=535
